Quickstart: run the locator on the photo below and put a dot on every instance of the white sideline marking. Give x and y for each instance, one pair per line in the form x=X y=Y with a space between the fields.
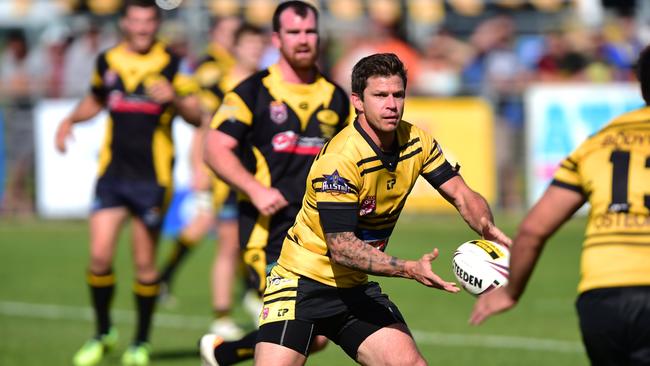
x=63 y=312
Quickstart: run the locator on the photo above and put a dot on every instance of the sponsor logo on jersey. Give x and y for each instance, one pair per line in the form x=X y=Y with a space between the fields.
x=368 y=205
x=328 y=117
x=291 y=142
x=265 y=313
x=334 y=183
x=278 y=112
x=118 y=102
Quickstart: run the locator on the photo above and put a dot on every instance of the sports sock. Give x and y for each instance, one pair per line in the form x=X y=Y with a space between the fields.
x=221 y=313
x=180 y=251
x=102 y=287
x=145 y=297
x=229 y=353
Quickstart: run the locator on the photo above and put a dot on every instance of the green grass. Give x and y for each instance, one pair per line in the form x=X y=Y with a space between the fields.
x=45 y=314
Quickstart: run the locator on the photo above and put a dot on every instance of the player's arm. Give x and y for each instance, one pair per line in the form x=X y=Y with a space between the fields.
x=220 y=156
x=554 y=208
x=473 y=208
x=347 y=250
x=189 y=107
x=87 y=108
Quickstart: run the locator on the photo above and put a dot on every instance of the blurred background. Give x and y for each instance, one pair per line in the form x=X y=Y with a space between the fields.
x=510 y=86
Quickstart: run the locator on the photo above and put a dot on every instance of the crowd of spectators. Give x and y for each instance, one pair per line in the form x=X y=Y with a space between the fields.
x=496 y=60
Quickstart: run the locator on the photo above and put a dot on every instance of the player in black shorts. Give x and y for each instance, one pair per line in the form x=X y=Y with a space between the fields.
x=263 y=139
x=611 y=171
x=143 y=86
x=356 y=190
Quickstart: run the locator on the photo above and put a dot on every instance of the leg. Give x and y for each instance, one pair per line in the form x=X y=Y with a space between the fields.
x=379 y=348
x=274 y=354
x=224 y=268
x=190 y=236
x=146 y=287
x=104 y=227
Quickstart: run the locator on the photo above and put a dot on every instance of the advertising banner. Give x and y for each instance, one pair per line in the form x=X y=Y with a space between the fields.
x=560 y=117
x=464 y=127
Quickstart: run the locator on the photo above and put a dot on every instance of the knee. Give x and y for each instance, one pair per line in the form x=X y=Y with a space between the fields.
x=100 y=264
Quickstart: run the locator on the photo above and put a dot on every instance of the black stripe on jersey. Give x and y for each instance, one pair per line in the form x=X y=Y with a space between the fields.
x=291 y=238
x=571 y=161
x=311 y=206
x=369 y=223
x=322 y=151
x=440 y=175
x=367 y=160
x=431 y=159
x=373 y=169
x=411 y=154
x=267 y=294
x=280 y=299
x=101 y=66
x=568 y=186
x=616 y=243
x=620 y=233
x=412 y=142
x=567 y=166
x=337 y=205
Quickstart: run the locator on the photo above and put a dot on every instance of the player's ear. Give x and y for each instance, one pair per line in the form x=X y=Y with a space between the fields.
x=275 y=39
x=357 y=102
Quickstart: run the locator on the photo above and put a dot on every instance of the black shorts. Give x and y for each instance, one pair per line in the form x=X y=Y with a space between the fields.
x=144 y=199
x=297 y=308
x=261 y=239
x=615 y=325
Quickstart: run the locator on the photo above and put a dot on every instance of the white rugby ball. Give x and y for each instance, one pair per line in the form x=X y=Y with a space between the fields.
x=481 y=265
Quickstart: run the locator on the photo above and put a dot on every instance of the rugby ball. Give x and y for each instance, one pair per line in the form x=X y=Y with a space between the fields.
x=481 y=265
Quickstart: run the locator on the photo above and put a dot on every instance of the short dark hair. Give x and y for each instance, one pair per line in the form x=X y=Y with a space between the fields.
x=247 y=28
x=141 y=4
x=300 y=7
x=643 y=73
x=378 y=64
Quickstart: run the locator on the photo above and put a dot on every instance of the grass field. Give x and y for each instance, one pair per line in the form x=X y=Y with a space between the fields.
x=45 y=314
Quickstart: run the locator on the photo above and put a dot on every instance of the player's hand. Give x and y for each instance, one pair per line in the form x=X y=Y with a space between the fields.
x=268 y=200
x=161 y=91
x=490 y=232
x=63 y=132
x=422 y=273
x=492 y=303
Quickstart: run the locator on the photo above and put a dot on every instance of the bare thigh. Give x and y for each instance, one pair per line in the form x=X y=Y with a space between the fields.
x=379 y=348
x=105 y=225
x=144 y=242
x=276 y=355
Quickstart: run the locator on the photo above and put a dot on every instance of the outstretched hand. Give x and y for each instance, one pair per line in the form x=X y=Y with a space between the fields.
x=422 y=273
x=490 y=232
x=63 y=133
x=492 y=303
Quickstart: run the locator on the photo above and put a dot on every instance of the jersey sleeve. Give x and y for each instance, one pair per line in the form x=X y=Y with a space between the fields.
x=233 y=117
x=97 y=87
x=208 y=75
x=567 y=175
x=336 y=181
x=435 y=169
x=183 y=82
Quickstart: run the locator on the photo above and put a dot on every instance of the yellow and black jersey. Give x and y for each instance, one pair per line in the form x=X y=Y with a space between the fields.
x=212 y=74
x=612 y=170
x=138 y=142
x=352 y=174
x=281 y=126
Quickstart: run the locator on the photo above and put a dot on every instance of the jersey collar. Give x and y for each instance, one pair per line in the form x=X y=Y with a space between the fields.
x=388 y=159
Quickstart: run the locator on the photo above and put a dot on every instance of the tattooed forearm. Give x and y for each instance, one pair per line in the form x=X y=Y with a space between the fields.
x=349 y=251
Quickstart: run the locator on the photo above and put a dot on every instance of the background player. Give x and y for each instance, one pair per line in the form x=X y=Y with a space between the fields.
x=610 y=171
x=142 y=85
x=264 y=138
x=248 y=47
x=356 y=190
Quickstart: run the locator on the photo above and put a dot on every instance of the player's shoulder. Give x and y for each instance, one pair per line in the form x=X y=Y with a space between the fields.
x=248 y=88
x=347 y=144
